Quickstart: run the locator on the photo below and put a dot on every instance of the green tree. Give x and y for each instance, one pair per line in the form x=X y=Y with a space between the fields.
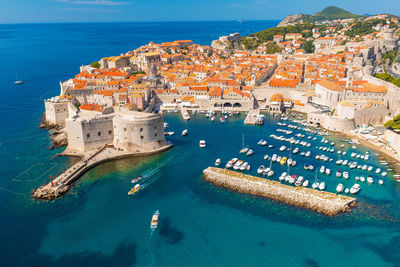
x=308 y=46
x=95 y=64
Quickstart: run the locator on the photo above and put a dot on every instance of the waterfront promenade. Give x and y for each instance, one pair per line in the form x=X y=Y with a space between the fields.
x=321 y=201
x=63 y=182
x=251 y=117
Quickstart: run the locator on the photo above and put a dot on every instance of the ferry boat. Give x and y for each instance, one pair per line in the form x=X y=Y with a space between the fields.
x=339 y=188
x=137 y=179
x=202 y=143
x=218 y=162
x=135 y=189
x=184 y=132
x=154 y=220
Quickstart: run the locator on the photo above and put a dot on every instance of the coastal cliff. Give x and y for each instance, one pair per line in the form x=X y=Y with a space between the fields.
x=323 y=202
x=289 y=19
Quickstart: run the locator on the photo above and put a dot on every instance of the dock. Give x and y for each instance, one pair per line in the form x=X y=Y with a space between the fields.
x=251 y=117
x=185 y=114
x=62 y=183
x=320 y=201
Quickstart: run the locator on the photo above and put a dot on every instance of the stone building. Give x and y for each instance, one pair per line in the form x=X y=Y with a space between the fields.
x=138 y=131
x=56 y=110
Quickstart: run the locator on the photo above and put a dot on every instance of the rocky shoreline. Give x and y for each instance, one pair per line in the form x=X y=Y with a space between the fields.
x=323 y=202
x=58 y=134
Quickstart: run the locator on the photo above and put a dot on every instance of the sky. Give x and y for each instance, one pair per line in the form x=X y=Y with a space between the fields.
x=42 y=11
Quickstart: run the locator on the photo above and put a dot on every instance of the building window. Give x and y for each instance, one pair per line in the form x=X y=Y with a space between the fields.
x=124 y=129
x=110 y=132
x=141 y=137
x=88 y=135
x=141 y=129
x=98 y=133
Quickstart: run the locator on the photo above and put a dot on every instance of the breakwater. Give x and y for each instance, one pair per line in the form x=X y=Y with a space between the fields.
x=64 y=181
x=323 y=202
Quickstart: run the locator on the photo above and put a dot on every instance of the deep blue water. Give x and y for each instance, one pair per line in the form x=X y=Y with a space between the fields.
x=98 y=224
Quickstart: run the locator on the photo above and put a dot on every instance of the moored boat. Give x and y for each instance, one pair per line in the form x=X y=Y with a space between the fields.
x=154 y=220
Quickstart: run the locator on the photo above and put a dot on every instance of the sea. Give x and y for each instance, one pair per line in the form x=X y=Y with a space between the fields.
x=98 y=224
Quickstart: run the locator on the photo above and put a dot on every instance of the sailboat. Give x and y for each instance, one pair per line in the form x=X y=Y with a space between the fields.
x=315 y=185
x=244 y=149
x=17 y=81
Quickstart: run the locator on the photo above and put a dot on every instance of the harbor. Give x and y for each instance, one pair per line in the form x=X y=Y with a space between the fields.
x=320 y=201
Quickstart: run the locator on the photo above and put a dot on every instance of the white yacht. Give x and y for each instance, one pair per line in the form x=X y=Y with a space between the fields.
x=321 y=186
x=346 y=175
x=328 y=171
x=202 y=143
x=380 y=182
x=217 y=162
x=370 y=180
x=338 y=174
x=230 y=163
x=260 y=169
x=339 y=188
x=238 y=164
x=184 y=132
x=355 y=189
x=305 y=183
x=378 y=170
x=370 y=168
x=250 y=152
x=322 y=169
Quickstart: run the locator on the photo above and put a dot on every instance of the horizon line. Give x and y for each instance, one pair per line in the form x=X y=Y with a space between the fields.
x=138 y=21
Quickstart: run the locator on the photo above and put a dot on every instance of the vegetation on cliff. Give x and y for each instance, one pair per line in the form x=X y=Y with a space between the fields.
x=393 y=124
x=95 y=65
x=364 y=27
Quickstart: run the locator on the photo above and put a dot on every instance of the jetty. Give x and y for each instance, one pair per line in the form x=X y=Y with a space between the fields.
x=320 y=201
x=185 y=114
x=62 y=183
x=251 y=117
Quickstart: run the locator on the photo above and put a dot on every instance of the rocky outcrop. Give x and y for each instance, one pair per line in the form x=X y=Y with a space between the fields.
x=323 y=202
x=227 y=43
x=289 y=19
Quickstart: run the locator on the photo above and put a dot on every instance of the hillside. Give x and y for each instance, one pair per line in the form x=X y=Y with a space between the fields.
x=329 y=13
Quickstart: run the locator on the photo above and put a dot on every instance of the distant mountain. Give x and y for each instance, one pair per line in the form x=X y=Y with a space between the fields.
x=329 y=13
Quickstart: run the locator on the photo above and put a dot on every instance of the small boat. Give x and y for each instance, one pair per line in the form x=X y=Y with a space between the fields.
x=230 y=163
x=380 y=182
x=384 y=174
x=184 y=132
x=346 y=175
x=282 y=148
x=250 y=152
x=338 y=174
x=212 y=118
x=370 y=180
x=283 y=161
x=397 y=178
x=355 y=189
x=244 y=150
x=217 y=162
x=321 y=186
x=270 y=173
x=315 y=185
x=339 y=188
x=137 y=179
x=171 y=133
x=260 y=169
x=237 y=164
x=322 y=169
x=311 y=167
x=370 y=168
x=347 y=190
x=299 y=181
x=378 y=170
x=266 y=157
x=328 y=171
x=154 y=220
x=306 y=166
x=202 y=143
x=305 y=183
x=292 y=179
x=135 y=189
x=222 y=119
x=362 y=179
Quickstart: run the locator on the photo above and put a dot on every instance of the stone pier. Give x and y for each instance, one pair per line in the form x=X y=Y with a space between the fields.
x=323 y=202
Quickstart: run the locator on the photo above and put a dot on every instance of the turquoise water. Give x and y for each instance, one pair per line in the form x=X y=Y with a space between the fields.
x=96 y=223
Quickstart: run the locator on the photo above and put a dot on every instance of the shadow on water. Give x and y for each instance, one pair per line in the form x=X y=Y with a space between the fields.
x=310 y=263
x=389 y=252
x=124 y=255
x=170 y=233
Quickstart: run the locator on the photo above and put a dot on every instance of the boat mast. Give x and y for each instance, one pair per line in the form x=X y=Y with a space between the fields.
x=242 y=140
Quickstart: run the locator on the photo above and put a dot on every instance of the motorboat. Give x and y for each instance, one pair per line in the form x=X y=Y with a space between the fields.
x=370 y=180
x=217 y=162
x=292 y=179
x=328 y=171
x=322 y=169
x=338 y=174
x=266 y=170
x=315 y=185
x=135 y=189
x=299 y=181
x=384 y=174
x=282 y=148
x=137 y=179
x=306 y=166
x=154 y=220
x=270 y=173
x=283 y=160
x=355 y=189
x=380 y=182
x=321 y=186
x=244 y=150
x=339 y=188
x=230 y=163
x=362 y=179
x=237 y=164
x=202 y=143
x=378 y=170
x=250 y=152
x=370 y=168
x=305 y=183
x=260 y=169
x=311 y=167
x=346 y=175
x=184 y=132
